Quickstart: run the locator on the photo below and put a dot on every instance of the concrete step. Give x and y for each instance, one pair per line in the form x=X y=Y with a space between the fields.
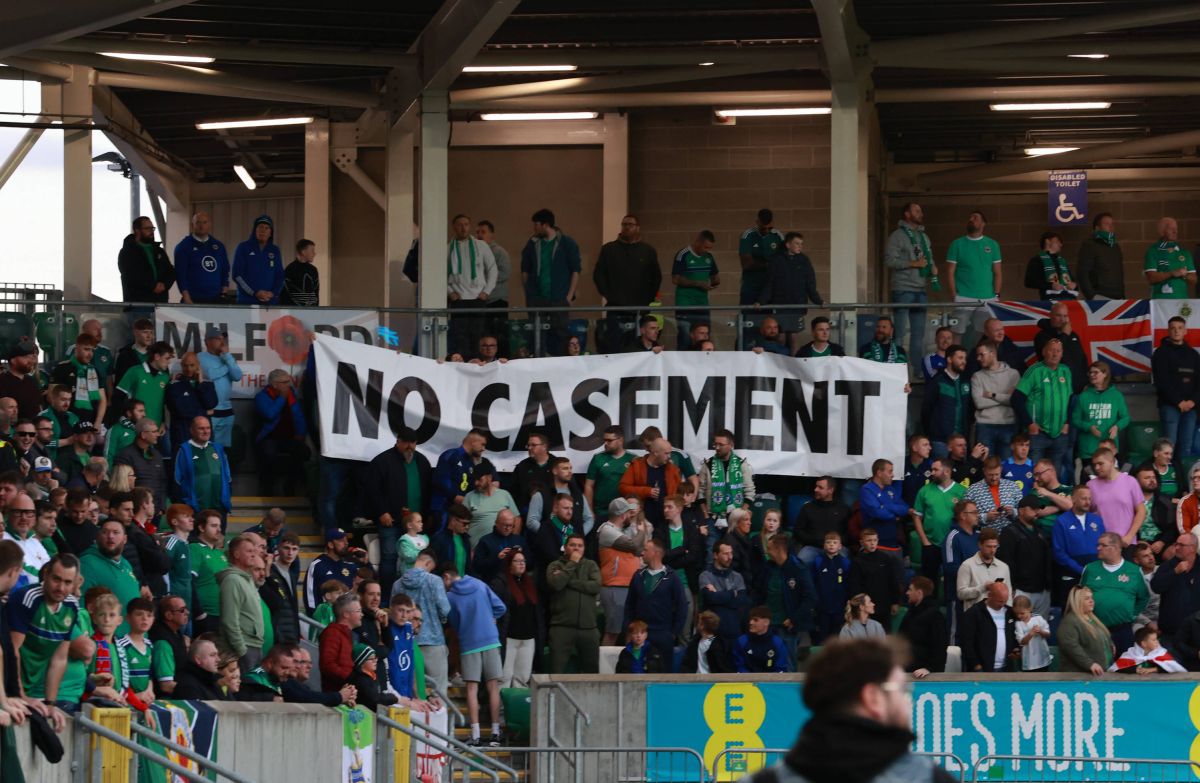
x=301 y=526
x=263 y=502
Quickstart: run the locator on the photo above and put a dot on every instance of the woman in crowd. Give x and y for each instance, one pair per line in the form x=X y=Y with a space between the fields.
x=122 y=478
x=521 y=626
x=859 y=624
x=1100 y=412
x=1084 y=644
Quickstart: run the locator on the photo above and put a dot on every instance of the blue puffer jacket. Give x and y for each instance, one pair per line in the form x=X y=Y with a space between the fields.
x=258 y=268
x=428 y=593
x=474 y=610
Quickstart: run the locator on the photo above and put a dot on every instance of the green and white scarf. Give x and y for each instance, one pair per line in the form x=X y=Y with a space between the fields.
x=876 y=353
x=456 y=245
x=726 y=486
x=87 y=385
x=1107 y=237
x=1054 y=268
x=920 y=244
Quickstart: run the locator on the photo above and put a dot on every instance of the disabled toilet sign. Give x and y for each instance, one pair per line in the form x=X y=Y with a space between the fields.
x=1067 y=197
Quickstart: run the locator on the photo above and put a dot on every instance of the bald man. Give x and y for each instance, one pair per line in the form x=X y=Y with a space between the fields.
x=201 y=264
x=1169 y=268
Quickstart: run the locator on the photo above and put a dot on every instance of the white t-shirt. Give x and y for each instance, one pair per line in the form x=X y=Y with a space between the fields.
x=1036 y=654
x=999 y=616
x=702 y=655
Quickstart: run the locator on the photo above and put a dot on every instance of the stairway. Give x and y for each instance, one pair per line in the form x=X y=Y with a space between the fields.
x=518 y=762
x=248 y=511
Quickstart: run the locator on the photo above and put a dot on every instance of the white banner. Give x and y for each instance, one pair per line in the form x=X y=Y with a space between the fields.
x=798 y=417
x=1163 y=310
x=262 y=339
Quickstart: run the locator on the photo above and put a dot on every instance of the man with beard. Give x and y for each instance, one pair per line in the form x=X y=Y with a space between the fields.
x=909 y=255
x=947 y=406
x=975 y=272
x=19 y=382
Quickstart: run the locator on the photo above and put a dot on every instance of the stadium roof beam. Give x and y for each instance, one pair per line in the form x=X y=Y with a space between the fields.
x=785 y=55
x=47 y=23
x=308 y=55
x=1082 y=157
x=1043 y=65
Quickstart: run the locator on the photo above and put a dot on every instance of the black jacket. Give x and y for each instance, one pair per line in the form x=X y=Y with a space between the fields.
x=74 y=538
x=385 y=484
x=370 y=691
x=442 y=545
x=138 y=278
x=687 y=558
x=627 y=274
x=1073 y=355
x=879 y=575
x=192 y=682
x=653 y=660
x=1028 y=557
x=1185 y=643
x=798 y=593
x=280 y=596
x=149 y=560
x=924 y=627
x=298 y=693
x=818 y=517
x=1180 y=594
x=1176 y=372
x=743 y=556
x=151 y=471
x=791 y=279
x=849 y=749
x=719 y=659
x=527 y=478
x=185 y=400
x=977 y=638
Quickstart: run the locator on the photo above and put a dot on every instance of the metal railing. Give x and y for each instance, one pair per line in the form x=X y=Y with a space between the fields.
x=450 y=739
x=188 y=753
x=615 y=764
x=87 y=725
x=459 y=718
x=738 y=762
x=419 y=735
x=580 y=715
x=1043 y=769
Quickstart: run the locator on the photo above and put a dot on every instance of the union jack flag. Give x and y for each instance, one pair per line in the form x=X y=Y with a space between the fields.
x=1116 y=331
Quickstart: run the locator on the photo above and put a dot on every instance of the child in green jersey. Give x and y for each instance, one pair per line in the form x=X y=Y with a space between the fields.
x=139 y=655
x=107 y=669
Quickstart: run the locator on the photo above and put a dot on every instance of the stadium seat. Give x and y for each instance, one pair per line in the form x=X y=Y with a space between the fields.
x=520 y=335
x=578 y=327
x=47 y=325
x=515 y=702
x=13 y=326
x=1139 y=440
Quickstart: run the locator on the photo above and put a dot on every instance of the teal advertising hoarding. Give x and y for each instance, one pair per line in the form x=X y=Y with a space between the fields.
x=1157 y=719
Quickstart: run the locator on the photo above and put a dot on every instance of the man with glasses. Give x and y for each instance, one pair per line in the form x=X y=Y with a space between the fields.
x=19 y=517
x=961 y=544
x=1118 y=587
x=24 y=439
x=532 y=474
x=169 y=644
x=605 y=470
x=296 y=690
x=1177 y=582
x=489 y=351
x=1053 y=495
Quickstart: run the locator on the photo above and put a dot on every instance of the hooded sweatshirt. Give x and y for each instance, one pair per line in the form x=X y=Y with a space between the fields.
x=474 y=610
x=428 y=592
x=1176 y=371
x=1001 y=380
x=470 y=268
x=242 y=623
x=258 y=268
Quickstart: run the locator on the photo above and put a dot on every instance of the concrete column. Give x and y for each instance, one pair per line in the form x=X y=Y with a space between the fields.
x=77 y=188
x=434 y=217
x=848 y=203
x=316 y=201
x=616 y=170
x=398 y=290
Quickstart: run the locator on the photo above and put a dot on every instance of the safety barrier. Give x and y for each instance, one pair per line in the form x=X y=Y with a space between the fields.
x=588 y=764
x=732 y=764
x=489 y=769
x=1039 y=769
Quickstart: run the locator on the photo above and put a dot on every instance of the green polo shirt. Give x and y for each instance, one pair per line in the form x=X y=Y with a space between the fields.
x=1048 y=395
x=149 y=386
x=606 y=470
x=935 y=506
x=973 y=258
x=207 y=562
x=760 y=247
x=1167 y=257
x=114 y=573
x=690 y=266
x=206 y=473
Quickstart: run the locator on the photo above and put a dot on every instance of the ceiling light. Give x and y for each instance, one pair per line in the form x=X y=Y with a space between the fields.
x=519 y=68
x=160 y=58
x=245 y=177
x=799 y=111
x=263 y=123
x=706 y=64
x=1076 y=106
x=546 y=115
x=1096 y=56
x=1036 y=152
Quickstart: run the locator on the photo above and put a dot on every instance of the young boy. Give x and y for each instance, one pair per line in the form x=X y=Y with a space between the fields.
x=760 y=651
x=639 y=657
x=1146 y=656
x=1164 y=468
x=1019 y=467
x=137 y=650
x=412 y=543
x=1032 y=632
x=181 y=518
x=60 y=416
x=707 y=653
x=831 y=572
x=108 y=669
x=330 y=590
x=364 y=678
x=46 y=525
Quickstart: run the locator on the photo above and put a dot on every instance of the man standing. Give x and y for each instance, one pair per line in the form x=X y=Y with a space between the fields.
x=471 y=276
x=42 y=621
x=279 y=591
x=574 y=582
x=282 y=451
x=880 y=575
x=487 y=501
x=1101 y=270
x=242 y=622
x=532 y=474
x=498 y=301
x=975 y=271
x=820 y=345
x=219 y=366
x=962 y=542
x=657 y=597
x=1118 y=587
x=791 y=280
x=723 y=591
x=992 y=388
x=396 y=481
x=882 y=507
x=89 y=400
x=492 y=551
x=188 y=396
x=104 y=565
x=207 y=555
x=1027 y=554
x=428 y=593
x=136 y=352
x=789 y=594
x=301 y=278
x=258 y=265
x=988 y=638
x=148 y=381
x=694 y=273
x=550 y=270
x=981 y=570
x=202 y=470
x=562 y=482
x=1006 y=350
x=332 y=564
x=148 y=465
x=943 y=338
x=651 y=478
x=1176 y=373
x=452 y=477
x=621 y=540
x=1042 y=403
x=337 y=642
x=605 y=470
x=757 y=246
x=474 y=610
x=1075 y=539
x=1177 y=582
x=726 y=483
x=1059 y=327
x=909 y=255
x=883 y=348
x=946 y=406
x=146 y=273
x=18 y=381
x=1117 y=497
x=995 y=497
x=626 y=275
x=933 y=514
x=201 y=264
x=1169 y=268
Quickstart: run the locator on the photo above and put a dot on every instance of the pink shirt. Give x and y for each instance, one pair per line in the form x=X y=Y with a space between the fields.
x=1116 y=501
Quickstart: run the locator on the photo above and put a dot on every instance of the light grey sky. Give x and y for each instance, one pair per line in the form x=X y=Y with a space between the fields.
x=31 y=204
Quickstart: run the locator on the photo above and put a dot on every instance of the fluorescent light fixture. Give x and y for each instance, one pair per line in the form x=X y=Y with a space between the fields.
x=245 y=177
x=1059 y=106
x=1096 y=56
x=160 y=58
x=544 y=115
x=263 y=123
x=1037 y=152
x=519 y=68
x=706 y=64
x=798 y=111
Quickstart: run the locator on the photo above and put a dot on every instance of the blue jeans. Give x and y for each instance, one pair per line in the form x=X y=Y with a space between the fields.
x=334 y=473
x=1179 y=428
x=389 y=553
x=996 y=437
x=914 y=319
x=222 y=430
x=1057 y=450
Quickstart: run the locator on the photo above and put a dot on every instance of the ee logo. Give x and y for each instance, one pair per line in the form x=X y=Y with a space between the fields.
x=734 y=712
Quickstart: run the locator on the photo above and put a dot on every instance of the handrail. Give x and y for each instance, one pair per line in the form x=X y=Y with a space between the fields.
x=587 y=719
x=443 y=748
x=642 y=751
x=994 y=757
x=188 y=753
x=306 y=620
x=459 y=718
x=739 y=751
x=512 y=773
x=95 y=728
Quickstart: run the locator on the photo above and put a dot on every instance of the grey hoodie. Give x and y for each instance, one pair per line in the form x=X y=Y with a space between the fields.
x=1002 y=380
x=898 y=254
x=428 y=592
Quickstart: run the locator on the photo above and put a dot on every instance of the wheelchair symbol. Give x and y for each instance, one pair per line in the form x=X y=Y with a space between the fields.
x=1066 y=211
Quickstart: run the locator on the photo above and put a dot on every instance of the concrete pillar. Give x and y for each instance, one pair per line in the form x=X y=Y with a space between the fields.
x=434 y=217
x=848 y=203
x=616 y=170
x=398 y=290
x=316 y=201
x=76 y=97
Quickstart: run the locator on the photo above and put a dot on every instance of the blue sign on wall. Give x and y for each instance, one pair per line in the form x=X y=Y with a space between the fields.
x=1067 y=197
x=969 y=719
